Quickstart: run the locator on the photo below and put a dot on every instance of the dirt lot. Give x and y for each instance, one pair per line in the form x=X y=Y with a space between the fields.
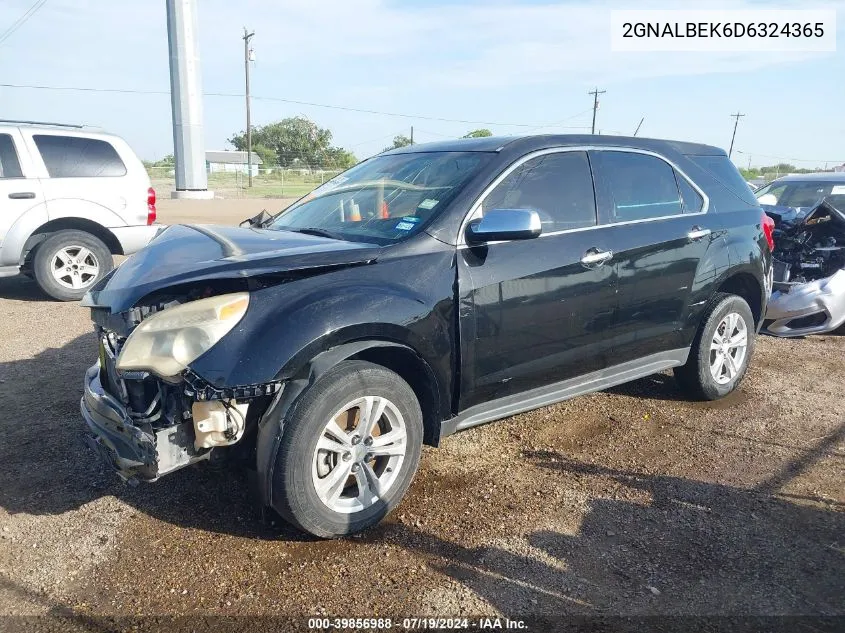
x=631 y=501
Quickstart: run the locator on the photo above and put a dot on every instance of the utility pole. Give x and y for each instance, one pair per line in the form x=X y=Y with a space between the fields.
x=412 y=135
x=736 y=116
x=247 y=54
x=595 y=94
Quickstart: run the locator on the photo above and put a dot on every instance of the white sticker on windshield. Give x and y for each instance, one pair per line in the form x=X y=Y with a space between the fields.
x=428 y=203
x=838 y=190
x=334 y=183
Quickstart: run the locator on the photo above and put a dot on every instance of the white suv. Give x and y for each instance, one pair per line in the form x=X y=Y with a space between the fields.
x=70 y=199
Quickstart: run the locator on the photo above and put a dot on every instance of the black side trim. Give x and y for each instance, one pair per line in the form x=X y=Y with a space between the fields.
x=564 y=390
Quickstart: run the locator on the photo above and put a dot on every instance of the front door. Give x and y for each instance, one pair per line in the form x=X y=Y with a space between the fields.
x=531 y=312
x=18 y=193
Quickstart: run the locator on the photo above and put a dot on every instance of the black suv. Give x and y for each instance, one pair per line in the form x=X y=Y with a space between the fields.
x=424 y=291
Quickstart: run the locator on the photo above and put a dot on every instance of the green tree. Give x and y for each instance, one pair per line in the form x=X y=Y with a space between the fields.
x=398 y=141
x=295 y=140
x=339 y=158
x=167 y=161
x=267 y=155
x=480 y=133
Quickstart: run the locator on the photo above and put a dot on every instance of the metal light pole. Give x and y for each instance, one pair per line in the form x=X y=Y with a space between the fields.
x=186 y=100
x=246 y=38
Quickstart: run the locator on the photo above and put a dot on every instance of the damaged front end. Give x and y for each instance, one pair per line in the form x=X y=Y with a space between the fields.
x=809 y=273
x=147 y=412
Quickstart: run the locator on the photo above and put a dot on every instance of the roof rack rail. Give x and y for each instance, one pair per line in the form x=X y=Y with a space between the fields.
x=73 y=125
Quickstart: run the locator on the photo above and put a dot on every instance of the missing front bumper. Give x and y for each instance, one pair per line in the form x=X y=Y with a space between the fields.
x=134 y=452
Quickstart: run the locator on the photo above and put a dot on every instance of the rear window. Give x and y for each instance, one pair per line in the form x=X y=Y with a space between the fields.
x=10 y=167
x=723 y=170
x=642 y=186
x=78 y=157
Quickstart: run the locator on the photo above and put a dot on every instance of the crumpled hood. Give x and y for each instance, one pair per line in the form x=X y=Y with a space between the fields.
x=187 y=253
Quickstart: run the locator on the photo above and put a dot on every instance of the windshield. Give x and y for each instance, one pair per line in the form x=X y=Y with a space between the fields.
x=384 y=199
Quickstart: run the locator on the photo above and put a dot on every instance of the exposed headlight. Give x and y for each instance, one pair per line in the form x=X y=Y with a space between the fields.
x=167 y=342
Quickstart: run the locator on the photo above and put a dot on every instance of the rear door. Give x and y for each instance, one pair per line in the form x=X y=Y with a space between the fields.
x=20 y=190
x=660 y=232
x=531 y=313
x=86 y=177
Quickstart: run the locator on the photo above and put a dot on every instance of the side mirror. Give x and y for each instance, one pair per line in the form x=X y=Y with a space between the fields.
x=504 y=224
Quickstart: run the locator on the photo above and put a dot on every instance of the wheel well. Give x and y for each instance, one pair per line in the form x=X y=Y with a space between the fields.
x=747 y=287
x=413 y=370
x=76 y=224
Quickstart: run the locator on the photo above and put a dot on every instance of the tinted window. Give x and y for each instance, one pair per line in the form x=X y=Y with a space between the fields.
x=559 y=187
x=693 y=202
x=641 y=186
x=76 y=157
x=723 y=170
x=10 y=167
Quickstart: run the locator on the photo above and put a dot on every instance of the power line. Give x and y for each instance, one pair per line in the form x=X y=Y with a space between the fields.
x=277 y=99
x=20 y=21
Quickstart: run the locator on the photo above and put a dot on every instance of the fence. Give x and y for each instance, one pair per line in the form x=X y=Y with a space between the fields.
x=268 y=183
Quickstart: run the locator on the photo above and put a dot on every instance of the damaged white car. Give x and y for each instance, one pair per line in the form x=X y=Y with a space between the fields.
x=808 y=294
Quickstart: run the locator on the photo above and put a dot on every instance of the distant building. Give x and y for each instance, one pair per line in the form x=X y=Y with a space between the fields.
x=231 y=161
x=839 y=168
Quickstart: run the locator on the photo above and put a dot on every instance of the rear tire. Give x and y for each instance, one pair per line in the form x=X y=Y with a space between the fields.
x=333 y=481
x=718 y=361
x=68 y=263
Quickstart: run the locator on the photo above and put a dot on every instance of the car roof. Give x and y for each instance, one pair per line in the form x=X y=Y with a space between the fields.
x=539 y=141
x=45 y=126
x=819 y=176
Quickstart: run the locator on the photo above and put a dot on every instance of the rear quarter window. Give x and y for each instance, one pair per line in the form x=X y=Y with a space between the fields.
x=78 y=157
x=641 y=186
x=724 y=171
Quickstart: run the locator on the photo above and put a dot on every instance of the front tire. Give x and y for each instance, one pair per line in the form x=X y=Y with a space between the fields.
x=721 y=350
x=349 y=450
x=68 y=263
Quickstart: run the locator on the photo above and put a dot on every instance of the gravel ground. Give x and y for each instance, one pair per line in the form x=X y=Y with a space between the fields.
x=630 y=501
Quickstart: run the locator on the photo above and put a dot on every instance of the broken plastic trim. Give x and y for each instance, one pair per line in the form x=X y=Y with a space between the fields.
x=199 y=389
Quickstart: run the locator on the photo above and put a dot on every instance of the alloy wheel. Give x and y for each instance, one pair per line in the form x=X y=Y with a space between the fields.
x=728 y=348
x=75 y=267
x=359 y=454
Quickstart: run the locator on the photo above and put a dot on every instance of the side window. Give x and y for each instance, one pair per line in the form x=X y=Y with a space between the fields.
x=10 y=166
x=78 y=157
x=692 y=200
x=559 y=187
x=641 y=186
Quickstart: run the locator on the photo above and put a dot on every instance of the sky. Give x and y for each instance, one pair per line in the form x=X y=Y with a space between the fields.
x=513 y=67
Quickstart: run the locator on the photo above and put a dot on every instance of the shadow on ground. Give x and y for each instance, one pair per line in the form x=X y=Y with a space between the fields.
x=21 y=288
x=647 y=543
x=684 y=547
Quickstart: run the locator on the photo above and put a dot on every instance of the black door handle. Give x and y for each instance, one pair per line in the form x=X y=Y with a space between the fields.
x=22 y=195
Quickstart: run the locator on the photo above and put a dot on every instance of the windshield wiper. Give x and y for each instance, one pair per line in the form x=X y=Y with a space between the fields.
x=313 y=230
